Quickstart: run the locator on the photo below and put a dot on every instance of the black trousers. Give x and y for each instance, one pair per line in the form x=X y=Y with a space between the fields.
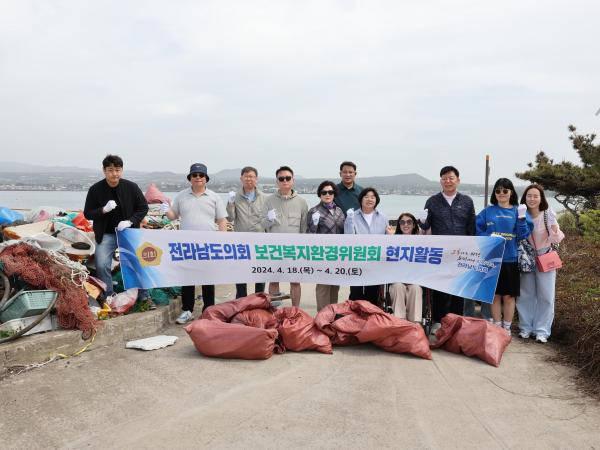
x=241 y=290
x=442 y=304
x=188 y=297
x=370 y=293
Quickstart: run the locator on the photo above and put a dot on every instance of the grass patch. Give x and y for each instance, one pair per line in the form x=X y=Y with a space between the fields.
x=577 y=318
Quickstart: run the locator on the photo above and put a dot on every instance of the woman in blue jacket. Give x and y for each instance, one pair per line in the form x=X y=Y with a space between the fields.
x=504 y=218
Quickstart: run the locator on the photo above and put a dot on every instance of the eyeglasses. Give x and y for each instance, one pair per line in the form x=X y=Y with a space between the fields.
x=327 y=192
x=405 y=222
x=198 y=175
x=286 y=178
x=502 y=191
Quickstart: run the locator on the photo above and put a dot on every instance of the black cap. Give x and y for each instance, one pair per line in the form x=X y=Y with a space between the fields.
x=198 y=168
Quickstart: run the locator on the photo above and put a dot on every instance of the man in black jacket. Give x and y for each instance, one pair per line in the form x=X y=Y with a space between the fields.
x=449 y=213
x=113 y=203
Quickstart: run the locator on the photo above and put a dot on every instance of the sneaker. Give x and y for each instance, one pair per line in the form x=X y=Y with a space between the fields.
x=184 y=317
x=541 y=339
x=508 y=333
x=524 y=334
x=436 y=326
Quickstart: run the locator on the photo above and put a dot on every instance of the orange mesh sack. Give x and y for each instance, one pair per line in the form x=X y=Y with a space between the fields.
x=229 y=340
x=472 y=337
x=257 y=318
x=298 y=331
x=224 y=312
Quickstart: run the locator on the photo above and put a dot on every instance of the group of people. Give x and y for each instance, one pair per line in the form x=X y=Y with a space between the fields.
x=345 y=207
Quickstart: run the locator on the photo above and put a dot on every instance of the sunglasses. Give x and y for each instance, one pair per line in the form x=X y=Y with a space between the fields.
x=502 y=191
x=405 y=222
x=198 y=175
x=286 y=178
x=327 y=192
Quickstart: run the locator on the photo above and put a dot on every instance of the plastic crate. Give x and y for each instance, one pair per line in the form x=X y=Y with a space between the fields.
x=27 y=304
x=48 y=323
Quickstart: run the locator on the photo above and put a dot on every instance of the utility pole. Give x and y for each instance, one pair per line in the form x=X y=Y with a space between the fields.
x=487 y=180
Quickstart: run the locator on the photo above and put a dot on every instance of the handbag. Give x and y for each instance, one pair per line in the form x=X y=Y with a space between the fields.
x=526 y=256
x=549 y=260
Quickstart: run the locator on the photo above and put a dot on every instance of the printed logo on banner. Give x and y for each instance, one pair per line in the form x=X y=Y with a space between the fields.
x=148 y=254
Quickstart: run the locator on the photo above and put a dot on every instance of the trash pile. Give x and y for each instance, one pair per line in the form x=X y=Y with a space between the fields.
x=45 y=266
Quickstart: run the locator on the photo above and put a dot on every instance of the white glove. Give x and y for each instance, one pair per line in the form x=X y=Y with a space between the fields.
x=272 y=215
x=522 y=209
x=422 y=216
x=231 y=196
x=164 y=208
x=350 y=213
x=110 y=205
x=315 y=218
x=124 y=224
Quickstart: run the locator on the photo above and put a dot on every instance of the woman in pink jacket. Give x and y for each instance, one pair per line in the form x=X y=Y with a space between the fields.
x=536 y=302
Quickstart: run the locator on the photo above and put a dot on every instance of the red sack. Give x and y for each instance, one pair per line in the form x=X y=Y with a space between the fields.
x=153 y=195
x=228 y=340
x=395 y=335
x=82 y=223
x=298 y=331
x=473 y=337
x=257 y=318
x=224 y=312
x=339 y=323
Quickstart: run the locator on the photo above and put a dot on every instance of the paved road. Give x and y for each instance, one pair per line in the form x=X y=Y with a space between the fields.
x=359 y=397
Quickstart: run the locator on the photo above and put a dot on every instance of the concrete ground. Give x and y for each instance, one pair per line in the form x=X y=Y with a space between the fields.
x=359 y=397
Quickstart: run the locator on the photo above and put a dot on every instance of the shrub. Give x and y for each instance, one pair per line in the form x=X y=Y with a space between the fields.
x=566 y=222
x=590 y=221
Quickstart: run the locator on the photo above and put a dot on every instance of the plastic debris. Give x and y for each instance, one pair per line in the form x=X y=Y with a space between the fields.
x=152 y=343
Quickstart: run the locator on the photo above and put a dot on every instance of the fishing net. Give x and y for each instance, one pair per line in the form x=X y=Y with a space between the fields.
x=47 y=270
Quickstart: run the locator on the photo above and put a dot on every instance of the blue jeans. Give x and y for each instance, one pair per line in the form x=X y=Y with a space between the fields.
x=103 y=257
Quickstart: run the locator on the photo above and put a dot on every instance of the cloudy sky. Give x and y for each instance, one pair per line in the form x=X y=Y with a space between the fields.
x=396 y=86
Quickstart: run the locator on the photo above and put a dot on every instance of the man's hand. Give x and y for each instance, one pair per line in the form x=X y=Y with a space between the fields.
x=315 y=218
x=522 y=209
x=110 y=205
x=124 y=224
x=164 y=208
x=231 y=196
x=272 y=215
x=422 y=216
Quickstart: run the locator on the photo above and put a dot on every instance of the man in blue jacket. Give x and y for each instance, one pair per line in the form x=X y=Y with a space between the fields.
x=113 y=203
x=448 y=213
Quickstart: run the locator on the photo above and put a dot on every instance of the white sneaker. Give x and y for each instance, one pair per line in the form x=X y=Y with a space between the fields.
x=184 y=317
x=541 y=339
x=508 y=333
x=524 y=335
x=436 y=326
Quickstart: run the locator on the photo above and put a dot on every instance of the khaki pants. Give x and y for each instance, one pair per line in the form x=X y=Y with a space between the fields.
x=407 y=301
x=326 y=294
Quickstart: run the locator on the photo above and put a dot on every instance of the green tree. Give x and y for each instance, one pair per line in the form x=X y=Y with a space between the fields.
x=576 y=187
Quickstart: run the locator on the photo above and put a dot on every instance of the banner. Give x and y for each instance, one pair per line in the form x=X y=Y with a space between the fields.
x=466 y=266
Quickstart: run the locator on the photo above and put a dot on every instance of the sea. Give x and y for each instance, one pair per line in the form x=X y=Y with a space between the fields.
x=391 y=205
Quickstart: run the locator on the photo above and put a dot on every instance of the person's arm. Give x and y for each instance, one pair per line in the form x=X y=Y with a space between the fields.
x=231 y=211
x=471 y=220
x=426 y=225
x=303 y=217
x=481 y=224
x=92 y=210
x=140 y=206
x=311 y=227
x=524 y=227
x=220 y=215
x=222 y=224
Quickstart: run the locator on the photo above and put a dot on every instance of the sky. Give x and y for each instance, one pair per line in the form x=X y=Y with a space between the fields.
x=395 y=86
